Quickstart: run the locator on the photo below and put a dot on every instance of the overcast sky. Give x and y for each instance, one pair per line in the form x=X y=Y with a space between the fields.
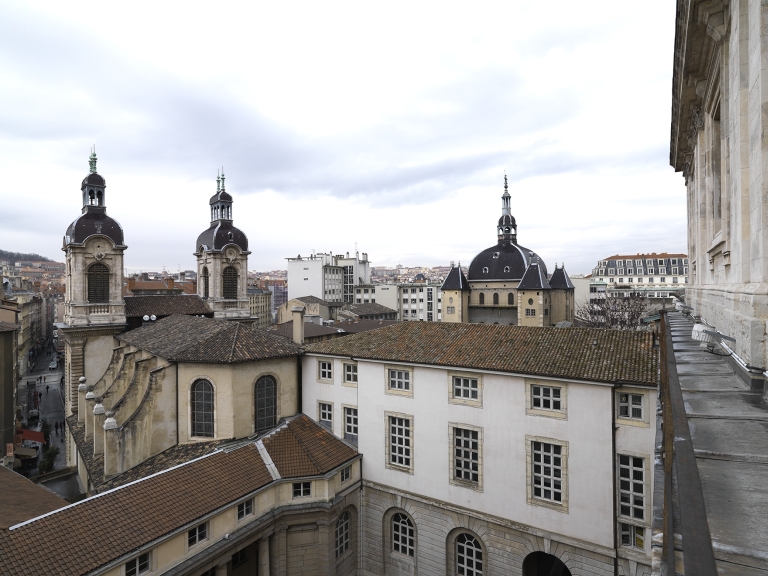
x=342 y=123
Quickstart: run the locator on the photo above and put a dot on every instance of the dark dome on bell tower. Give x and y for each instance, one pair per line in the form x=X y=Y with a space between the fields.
x=221 y=232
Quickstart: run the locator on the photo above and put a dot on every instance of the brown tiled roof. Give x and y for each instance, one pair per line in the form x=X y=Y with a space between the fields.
x=315 y=300
x=191 y=339
x=368 y=309
x=355 y=326
x=8 y=326
x=311 y=330
x=165 y=305
x=573 y=353
x=85 y=536
x=22 y=499
x=304 y=448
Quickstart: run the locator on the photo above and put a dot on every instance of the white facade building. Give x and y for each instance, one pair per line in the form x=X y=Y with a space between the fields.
x=522 y=469
x=413 y=301
x=657 y=276
x=327 y=276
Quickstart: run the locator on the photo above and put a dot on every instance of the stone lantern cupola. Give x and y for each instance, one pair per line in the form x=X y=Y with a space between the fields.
x=507 y=227
x=222 y=260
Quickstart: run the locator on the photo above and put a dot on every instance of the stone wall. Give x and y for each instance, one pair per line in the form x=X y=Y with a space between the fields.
x=436 y=527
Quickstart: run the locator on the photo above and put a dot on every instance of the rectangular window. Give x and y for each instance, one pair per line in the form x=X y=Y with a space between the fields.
x=350 y=421
x=674 y=271
x=450 y=310
x=244 y=509
x=530 y=312
x=545 y=397
x=239 y=558
x=630 y=271
x=326 y=370
x=326 y=415
x=429 y=316
x=400 y=441
x=302 y=489
x=350 y=373
x=345 y=473
x=631 y=406
x=620 y=272
x=399 y=379
x=633 y=536
x=138 y=565
x=466 y=455
x=547 y=471
x=631 y=487
x=465 y=388
x=197 y=534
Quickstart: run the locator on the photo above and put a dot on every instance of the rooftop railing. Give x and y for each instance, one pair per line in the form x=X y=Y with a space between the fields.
x=679 y=459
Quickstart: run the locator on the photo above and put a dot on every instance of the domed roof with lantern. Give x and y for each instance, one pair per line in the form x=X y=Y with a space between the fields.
x=221 y=232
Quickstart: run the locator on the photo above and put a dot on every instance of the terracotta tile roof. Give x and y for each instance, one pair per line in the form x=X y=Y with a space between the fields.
x=85 y=536
x=315 y=300
x=573 y=353
x=191 y=339
x=311 y=330
x=304 y=448
x=165 y=305
x=368 y=309
x=355 y=326
x=22 y=499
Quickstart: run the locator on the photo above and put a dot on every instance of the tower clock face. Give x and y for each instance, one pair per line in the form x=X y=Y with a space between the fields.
x=231 y=253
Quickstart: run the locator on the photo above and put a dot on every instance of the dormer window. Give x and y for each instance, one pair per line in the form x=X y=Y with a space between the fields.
x=506 y=268
x=485 y=270
x=230 y=236
x=496 y=254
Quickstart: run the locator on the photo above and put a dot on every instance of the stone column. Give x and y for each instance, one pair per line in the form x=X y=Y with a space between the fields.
x=110 y=445
x=89 y=398
x=264 y=557
x=98 y=427
x=81 y=390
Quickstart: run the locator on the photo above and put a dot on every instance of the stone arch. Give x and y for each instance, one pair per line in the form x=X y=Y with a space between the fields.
x=466 y=549
x=202 y=408
x=511 y=299
x=206 y=284
x=495 y=298
x=482 y=298
x=543 y=564
x=265 y=403
x=400 y=541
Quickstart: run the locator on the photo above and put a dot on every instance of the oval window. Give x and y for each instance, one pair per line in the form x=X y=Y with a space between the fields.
x=450 y=300
x=530 y=301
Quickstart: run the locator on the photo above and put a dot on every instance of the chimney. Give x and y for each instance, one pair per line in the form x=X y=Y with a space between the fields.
x=169 y=283
x=131 y=284
x=297 y=312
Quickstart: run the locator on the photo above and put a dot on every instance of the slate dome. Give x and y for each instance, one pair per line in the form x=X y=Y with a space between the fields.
x=504 y=261
x=94 y=222
x=220 y=234
x=93 y=179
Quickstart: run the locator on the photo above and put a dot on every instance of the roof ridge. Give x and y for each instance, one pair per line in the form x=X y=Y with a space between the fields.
x=234 y=341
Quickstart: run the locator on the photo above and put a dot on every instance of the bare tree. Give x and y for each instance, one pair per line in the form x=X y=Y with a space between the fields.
x=616 y=312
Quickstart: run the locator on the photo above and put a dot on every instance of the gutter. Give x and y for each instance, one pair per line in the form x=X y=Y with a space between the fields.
x=615 y=487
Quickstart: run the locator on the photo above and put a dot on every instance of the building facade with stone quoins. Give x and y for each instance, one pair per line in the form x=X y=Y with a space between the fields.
x=483 y=447
x=507 y=284
x=718 y=144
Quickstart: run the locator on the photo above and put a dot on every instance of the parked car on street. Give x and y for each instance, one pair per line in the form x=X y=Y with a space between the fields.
x=33 y=414
x=53 y=365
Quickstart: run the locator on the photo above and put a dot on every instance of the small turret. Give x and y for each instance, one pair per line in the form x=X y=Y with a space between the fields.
x=507 y=227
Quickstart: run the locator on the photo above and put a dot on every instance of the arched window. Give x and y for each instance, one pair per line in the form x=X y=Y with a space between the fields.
x=482 y=298
x=98 y=283
x=202 y=408
x=205 y=282
x=511 y=299
x=91 y=198
x=100 y=198
x=495 y=299
x=342 y=534
x=266 y=403
x=469 y=555
x=229 y=277
x=403 y=540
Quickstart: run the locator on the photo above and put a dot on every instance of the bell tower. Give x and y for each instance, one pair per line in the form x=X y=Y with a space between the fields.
x=94 y=308
x=507 y=227
x=222 y=260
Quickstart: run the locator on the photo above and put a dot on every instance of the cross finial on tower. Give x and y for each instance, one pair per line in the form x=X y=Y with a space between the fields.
x=218 y=181
x=222 y=179
x=505 y=181
x=92 y=160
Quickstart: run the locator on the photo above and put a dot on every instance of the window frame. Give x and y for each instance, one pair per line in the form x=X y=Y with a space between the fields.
x=264 y=419
x=203 y=527
x=302 y=486
x=452 y=479
x=456 y=554
x=248 y=506
x=531 y=410
x=644 y=420
x=356 y=425
x=453 y=399
x=342 y=535
x=324 y=374
x=325 y=408
x=98 y=280
x=345 y=474
x=647 y=494
x=228 y=275
x=397 y=391
x=136 y=560
x=346 y=381
x=561 y=506
x=239 y=558
x=409 y=536
x=388 y=442
x=192 y=412
x=631 y=531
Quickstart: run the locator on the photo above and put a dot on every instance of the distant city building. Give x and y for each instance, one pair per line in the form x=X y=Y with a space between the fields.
x=330 y=277
x=508 y=284
x=260 y=302
x=411 y=301
x=656 y=276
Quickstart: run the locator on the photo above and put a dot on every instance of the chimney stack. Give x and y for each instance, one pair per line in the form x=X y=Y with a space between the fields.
x=297 y=312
